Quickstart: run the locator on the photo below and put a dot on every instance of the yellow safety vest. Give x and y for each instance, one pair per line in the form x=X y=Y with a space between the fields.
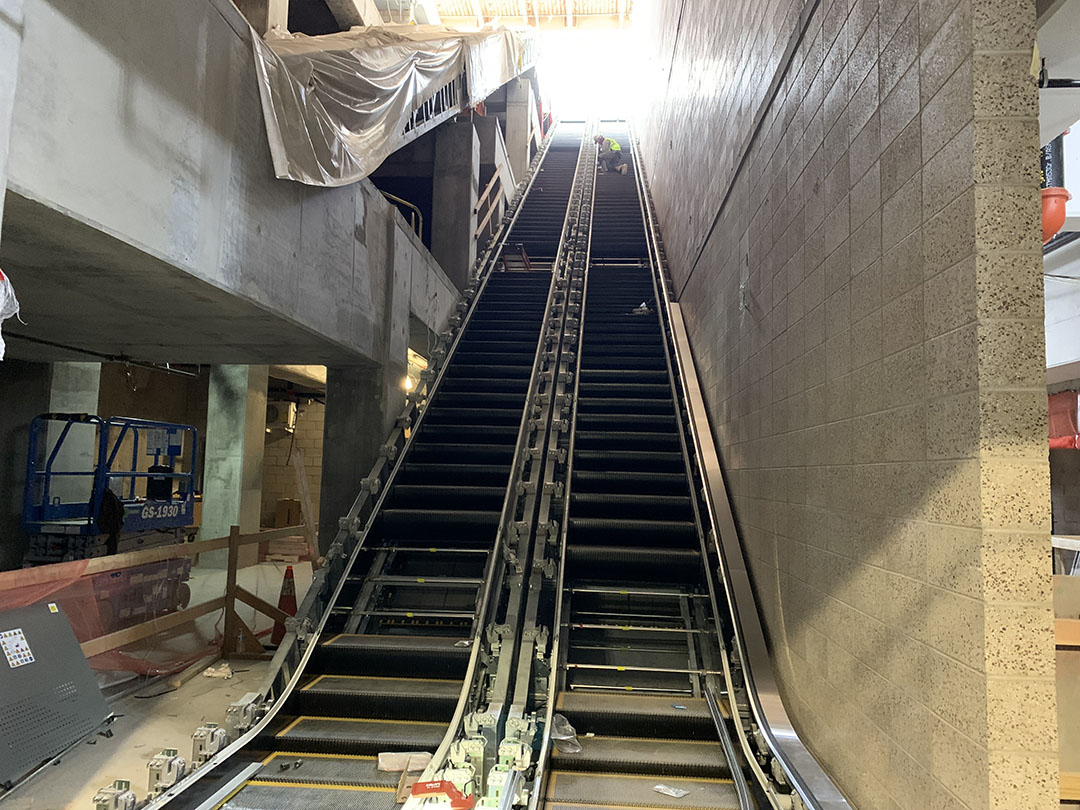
x=613 y=145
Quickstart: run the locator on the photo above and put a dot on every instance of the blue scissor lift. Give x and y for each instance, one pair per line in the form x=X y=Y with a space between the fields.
x=159 y=511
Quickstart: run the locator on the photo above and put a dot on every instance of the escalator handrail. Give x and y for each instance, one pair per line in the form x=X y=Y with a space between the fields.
x=816 y=789
x=488 y=262
x=557 y=643
x=506 y=518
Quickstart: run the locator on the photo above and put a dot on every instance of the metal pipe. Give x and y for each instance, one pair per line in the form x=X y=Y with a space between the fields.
x=415 y=215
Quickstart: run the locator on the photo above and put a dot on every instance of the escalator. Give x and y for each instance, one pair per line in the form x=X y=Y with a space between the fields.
x=392 y=661
x=637 y=640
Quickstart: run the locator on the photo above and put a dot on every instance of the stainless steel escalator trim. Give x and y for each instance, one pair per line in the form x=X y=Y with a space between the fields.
x=312 y=639
x=558 y=647
x=816 y=789
x=506 y=519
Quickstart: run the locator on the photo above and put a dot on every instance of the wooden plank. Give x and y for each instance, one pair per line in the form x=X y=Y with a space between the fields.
x=138 y=632
x=261 y=605
x=487 y=189
x=232 y=621
x=480 y=229
x=1070 y=786
x=1067 y=632
x=22 y=577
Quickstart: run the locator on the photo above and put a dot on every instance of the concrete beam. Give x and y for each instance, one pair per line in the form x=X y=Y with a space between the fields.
x=265 y=15
x=355 y=12
x=164 y=227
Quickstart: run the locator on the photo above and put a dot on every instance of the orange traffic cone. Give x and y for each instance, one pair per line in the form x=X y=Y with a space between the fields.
x=286 y=603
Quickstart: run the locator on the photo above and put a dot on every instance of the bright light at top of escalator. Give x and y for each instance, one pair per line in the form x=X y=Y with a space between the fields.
x=586 y=72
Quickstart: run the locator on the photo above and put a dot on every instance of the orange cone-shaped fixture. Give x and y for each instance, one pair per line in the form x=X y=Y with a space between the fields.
x=1053 y=211
x=286 y=604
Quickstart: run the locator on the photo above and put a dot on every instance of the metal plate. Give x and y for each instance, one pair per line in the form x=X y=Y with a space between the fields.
x=50 y=699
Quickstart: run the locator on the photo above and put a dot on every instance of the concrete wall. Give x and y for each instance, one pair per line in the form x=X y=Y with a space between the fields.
x=861 y=278
x=10 y=41
x=24 y=390
x=141 y=183
x=279 y=475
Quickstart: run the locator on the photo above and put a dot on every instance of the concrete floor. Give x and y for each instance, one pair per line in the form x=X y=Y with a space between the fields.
x=154 y=716
x=143 y=727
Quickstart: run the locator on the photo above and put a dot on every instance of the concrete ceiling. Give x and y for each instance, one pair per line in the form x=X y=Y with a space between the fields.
x=81 y=287
x=539 y=13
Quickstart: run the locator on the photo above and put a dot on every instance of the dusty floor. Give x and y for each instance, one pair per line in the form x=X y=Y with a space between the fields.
x=153 y=717
x=143 y=727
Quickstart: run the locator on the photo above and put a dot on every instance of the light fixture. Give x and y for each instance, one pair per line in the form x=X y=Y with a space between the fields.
x=408 y=384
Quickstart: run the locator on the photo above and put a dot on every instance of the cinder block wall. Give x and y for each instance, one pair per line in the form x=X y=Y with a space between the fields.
x=279 y=475
x=861 y=278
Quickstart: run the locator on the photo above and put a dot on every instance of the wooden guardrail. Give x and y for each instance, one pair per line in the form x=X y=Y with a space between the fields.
x=490 y=198
x=239 y=639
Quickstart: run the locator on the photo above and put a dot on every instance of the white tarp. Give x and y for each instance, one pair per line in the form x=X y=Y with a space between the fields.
x=336 y=106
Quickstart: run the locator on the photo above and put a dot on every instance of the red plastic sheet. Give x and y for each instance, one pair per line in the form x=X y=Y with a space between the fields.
x=1064 y=427
x=94 y=606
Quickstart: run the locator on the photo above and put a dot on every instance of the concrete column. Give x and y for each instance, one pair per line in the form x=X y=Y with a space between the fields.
x=232 y=470
x=361 y=405
x=24 y=390
x=264 y=15
x=518 y=125
x=10 y=39
x=455 y=191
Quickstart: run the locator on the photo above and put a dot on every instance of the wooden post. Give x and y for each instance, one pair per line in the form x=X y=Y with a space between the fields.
x=228 y=644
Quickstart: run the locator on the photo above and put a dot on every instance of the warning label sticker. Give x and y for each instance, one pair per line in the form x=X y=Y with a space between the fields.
x=16 y=649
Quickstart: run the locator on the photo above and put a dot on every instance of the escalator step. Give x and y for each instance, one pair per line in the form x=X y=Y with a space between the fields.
x=360 y=735
x=594 y=791
x=419 y=656
x=362 y=771
x=667 y=757
x=637 y=715
x=269 y=795
x=655 y=507
x=630 y=461
x=585 y=481
x=378 y=697
x=418 y=496
x=637 y=565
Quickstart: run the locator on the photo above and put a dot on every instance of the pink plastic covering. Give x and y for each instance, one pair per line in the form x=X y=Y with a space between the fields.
x=95 y=605
x=1063 y=421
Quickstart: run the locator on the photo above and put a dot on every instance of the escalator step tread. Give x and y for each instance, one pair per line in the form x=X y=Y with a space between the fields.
x=430 y=645
x=339 y=732
x=270 y=796
x=389 y=687
x=606 y=790
x=360 y=771
x=571 y=703
x=646 y=755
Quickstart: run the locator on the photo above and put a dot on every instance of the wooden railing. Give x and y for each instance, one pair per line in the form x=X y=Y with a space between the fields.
x=490 y=198
x=239 y=639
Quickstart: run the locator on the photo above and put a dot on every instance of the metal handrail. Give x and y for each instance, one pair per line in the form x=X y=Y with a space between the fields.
x=350 y=527
x=802 y=770
x=416 y=219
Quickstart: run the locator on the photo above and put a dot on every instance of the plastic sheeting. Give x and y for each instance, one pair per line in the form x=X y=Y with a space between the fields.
x=336 y=106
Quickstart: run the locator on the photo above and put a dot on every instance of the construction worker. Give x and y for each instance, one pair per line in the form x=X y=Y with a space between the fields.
x=611 y=157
